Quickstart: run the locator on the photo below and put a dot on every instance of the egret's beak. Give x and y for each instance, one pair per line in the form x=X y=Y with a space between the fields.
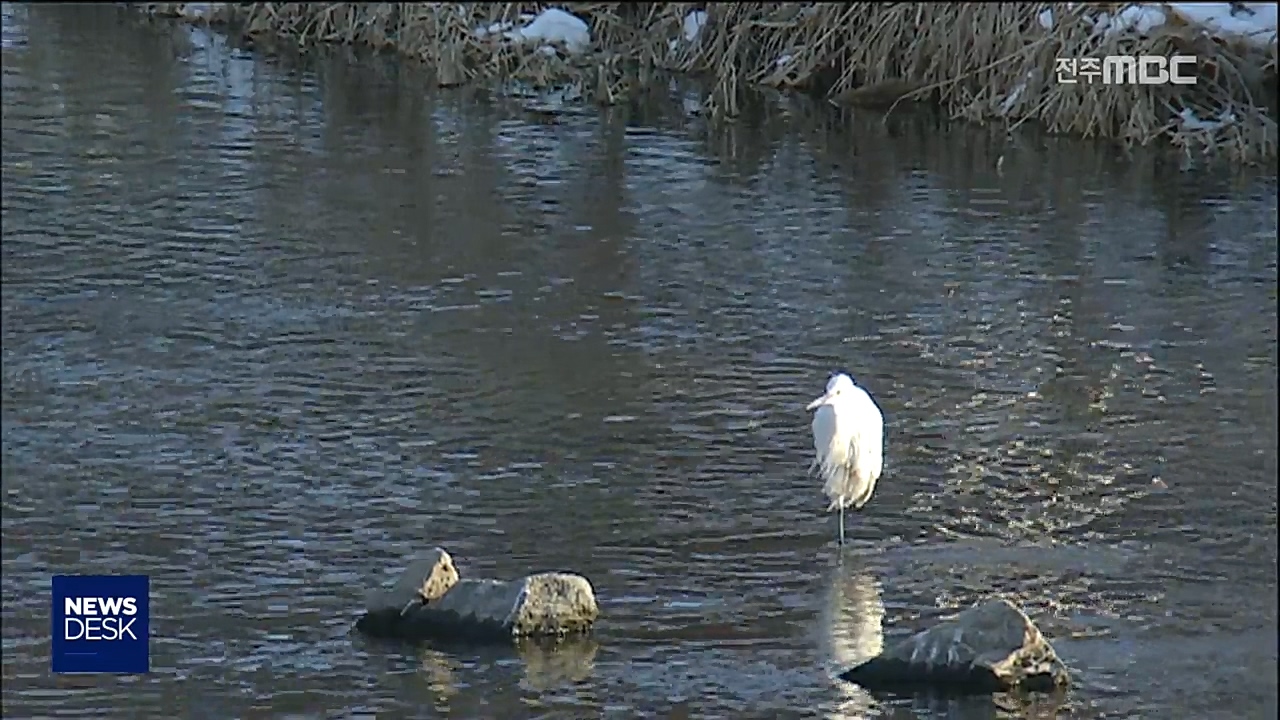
x=819 y=402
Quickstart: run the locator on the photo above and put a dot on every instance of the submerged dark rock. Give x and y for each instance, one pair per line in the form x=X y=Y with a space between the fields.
x=990 y=647
x=430 y=602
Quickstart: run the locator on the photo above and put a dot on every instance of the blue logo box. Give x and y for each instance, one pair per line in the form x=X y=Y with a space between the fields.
x=101 y=624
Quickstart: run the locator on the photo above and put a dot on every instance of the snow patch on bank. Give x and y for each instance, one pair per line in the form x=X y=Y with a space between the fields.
x=690 y=31
x=1135 y=18
x=1190 y=121
x=1016 y=94
x=202 y=11
x=497 y=28
x=552 y=27
x=1254 y=23
x=693 y=24
x=557 y=27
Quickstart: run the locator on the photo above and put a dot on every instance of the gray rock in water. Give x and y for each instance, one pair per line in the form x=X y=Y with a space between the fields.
x=988 y=648
x=428 y=577
x=429 y=601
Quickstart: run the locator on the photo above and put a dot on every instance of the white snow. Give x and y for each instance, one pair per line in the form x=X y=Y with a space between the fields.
x=1016 y=94
x=1138 y=19
x=1191 y=122
x=556 y=27
x=1253 y=22
x=693 y=24
x=1008 y=102
x=199 y=10
x=494 y=29
x=1100 y=22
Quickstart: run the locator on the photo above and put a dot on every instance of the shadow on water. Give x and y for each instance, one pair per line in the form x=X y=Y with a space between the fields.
x=271 y=325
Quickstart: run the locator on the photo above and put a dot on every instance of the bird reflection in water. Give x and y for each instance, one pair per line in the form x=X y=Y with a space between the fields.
x=852 y=626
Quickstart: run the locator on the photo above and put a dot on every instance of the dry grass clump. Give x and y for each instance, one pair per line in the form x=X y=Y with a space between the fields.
x=999 y=66
x=982 y=61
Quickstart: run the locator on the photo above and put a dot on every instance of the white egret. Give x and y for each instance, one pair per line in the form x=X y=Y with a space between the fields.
x=848 y=438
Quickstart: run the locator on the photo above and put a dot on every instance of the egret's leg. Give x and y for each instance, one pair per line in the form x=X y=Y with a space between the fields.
x=842 y=525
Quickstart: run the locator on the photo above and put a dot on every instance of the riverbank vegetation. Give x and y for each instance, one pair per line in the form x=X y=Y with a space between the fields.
x=988 y=62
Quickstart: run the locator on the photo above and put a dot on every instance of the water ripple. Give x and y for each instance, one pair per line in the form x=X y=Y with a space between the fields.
x=269 y=328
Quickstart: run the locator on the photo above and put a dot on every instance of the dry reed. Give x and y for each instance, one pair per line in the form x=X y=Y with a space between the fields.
x=999 y=67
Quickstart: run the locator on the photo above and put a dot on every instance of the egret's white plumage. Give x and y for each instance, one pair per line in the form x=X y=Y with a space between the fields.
x=848 y=439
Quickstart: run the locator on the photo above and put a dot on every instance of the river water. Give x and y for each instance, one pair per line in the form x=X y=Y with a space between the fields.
x=272 y=326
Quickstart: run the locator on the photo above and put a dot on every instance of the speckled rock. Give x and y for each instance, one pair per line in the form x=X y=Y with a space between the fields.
x=431 y=602
x=990 y=647
x=428 y=577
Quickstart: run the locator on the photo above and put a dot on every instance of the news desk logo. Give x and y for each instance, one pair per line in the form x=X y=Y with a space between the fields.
x=1127 y=70
x=101 y=624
